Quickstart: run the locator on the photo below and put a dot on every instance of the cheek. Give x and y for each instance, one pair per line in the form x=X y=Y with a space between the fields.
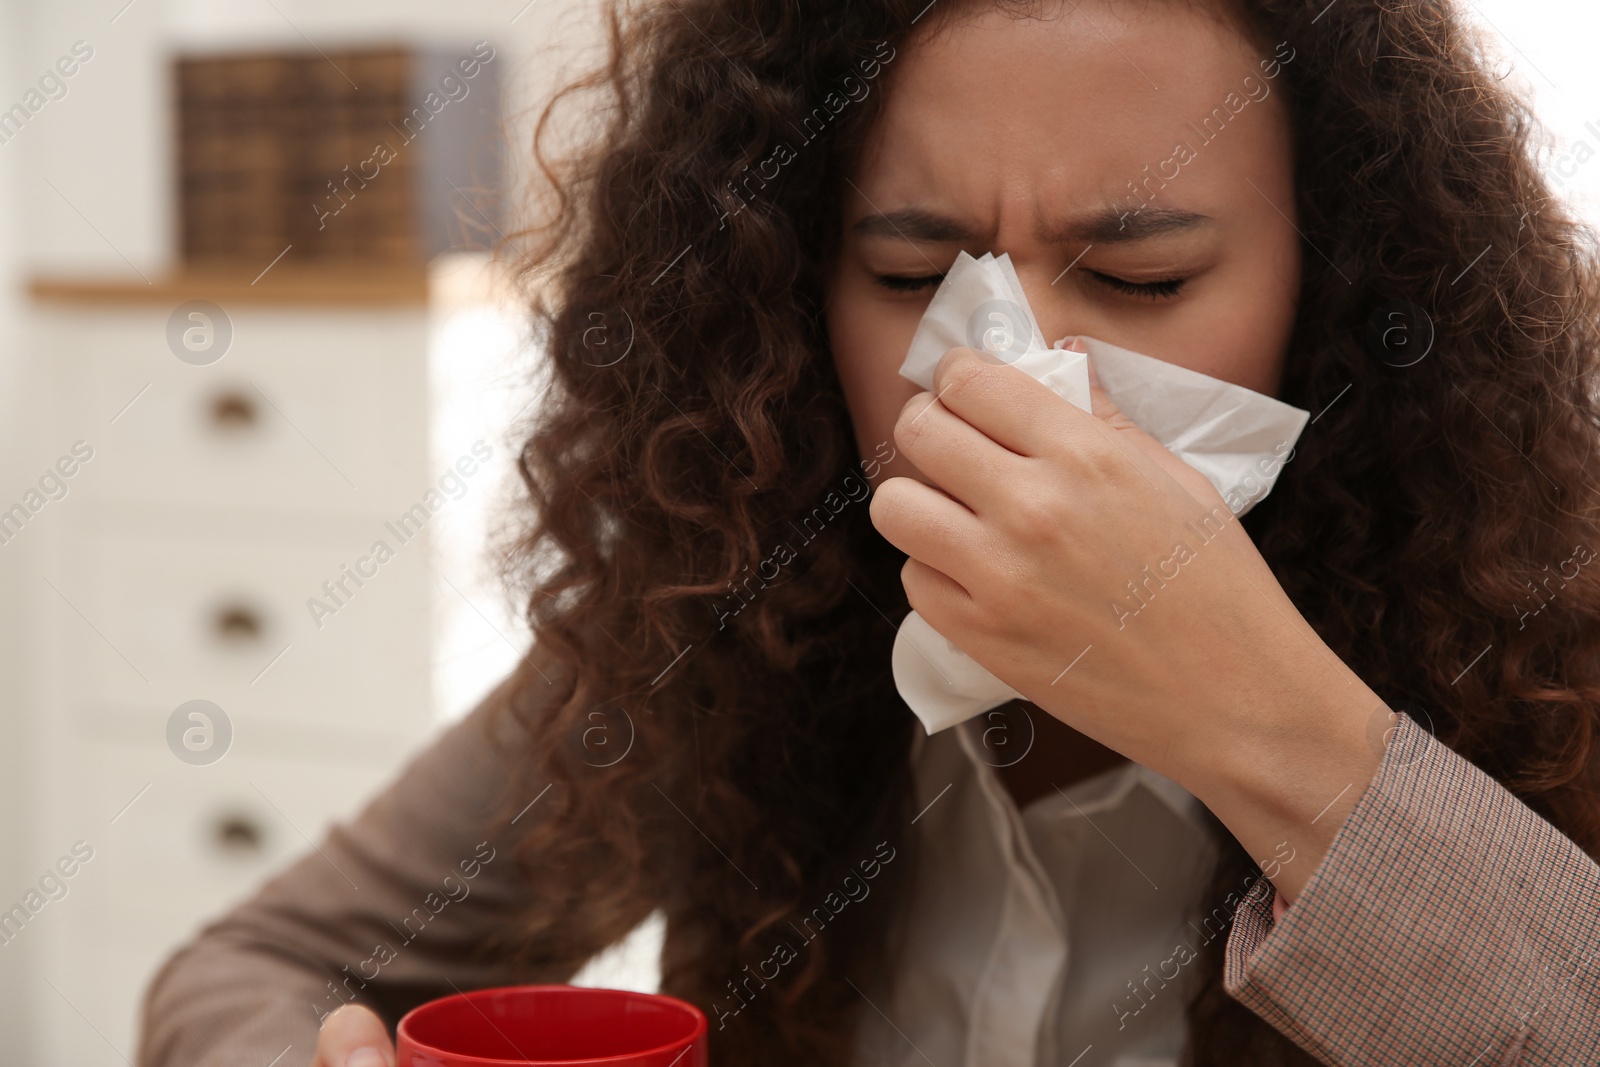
x=1240 y=331
x=869 y=343
x=1258 y=330
x=1239 y=347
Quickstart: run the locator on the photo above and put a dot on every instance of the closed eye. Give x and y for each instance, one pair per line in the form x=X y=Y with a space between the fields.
x=1156 y=290
x=899 y=283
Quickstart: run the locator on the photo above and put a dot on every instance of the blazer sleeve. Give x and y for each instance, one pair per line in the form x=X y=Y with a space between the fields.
x=391 y=909
x=1447 y=924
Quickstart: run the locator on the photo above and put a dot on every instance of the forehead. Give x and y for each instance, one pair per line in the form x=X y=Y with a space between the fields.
x=988 y=106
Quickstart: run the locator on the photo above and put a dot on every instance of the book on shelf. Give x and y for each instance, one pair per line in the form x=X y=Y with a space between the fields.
x=381 y=154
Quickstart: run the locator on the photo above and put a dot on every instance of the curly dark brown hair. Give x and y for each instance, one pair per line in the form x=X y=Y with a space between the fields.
x=692 y=423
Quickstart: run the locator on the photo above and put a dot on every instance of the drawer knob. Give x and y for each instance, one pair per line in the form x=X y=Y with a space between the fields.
x=237 y=834
x=233 y=412
x=238 y=622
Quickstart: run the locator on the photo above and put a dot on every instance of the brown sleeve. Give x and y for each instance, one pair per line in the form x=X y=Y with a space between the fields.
x=392 y=908
x=1448 y=923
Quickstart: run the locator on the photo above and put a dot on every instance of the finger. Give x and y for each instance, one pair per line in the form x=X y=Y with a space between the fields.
x=353 y=1036
x=1106 y=409
x=1099 y=400
x=928 y=526
x=940 y=600
x=1129 y=437
x=1011 y=408
x=960 y=460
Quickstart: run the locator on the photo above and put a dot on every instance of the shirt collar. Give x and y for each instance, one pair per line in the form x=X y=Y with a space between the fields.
x=1096 y=793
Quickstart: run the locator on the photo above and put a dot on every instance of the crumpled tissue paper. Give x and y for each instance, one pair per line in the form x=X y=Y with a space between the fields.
x=1236 y=437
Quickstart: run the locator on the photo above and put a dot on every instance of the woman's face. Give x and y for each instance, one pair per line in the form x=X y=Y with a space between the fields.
x=1058 y=142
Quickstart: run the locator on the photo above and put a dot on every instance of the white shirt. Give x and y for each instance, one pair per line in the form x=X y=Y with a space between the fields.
x=1047 y=937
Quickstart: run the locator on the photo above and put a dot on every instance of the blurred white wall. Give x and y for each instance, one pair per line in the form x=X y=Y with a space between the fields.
x=481 y=363
x=1546 y=48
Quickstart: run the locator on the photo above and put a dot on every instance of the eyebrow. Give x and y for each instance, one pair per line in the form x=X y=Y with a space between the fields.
x=1102 y=226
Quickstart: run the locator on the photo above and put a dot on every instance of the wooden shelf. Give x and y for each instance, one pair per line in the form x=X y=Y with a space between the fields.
x=325 y=283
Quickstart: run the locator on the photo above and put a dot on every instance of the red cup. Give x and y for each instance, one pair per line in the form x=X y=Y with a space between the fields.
x=552 y=1026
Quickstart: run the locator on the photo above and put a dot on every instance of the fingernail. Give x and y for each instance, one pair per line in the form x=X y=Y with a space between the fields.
x=366 y=1057
x=1077 y=345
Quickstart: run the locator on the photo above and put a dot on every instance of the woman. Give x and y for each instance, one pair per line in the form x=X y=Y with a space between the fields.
x=1332 y=203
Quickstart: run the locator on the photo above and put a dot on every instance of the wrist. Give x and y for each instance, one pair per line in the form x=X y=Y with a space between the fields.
x=1285 y=780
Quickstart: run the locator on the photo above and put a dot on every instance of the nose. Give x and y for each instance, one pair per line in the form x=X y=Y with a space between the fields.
x=1049 y=304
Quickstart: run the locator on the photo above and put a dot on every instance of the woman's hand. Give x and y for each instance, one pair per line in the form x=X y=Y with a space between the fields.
x=353 y=1036
x=1108 y=582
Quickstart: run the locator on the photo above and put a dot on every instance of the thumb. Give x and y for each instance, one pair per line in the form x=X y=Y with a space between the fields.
x=353 y=1036
x=1106 y=410
x=1100 y=401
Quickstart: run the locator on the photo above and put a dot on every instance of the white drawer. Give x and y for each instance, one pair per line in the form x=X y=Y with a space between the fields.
x=164 y=868
x=227 y=620
x=321 y=410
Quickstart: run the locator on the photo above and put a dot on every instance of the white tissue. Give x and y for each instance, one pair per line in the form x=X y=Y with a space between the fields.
x=1234 y=436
